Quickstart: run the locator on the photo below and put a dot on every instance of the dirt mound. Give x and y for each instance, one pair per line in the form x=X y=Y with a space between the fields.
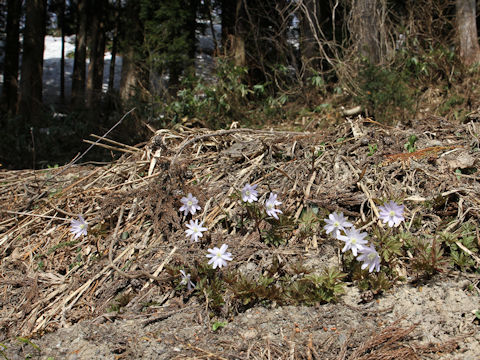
x=114 y=293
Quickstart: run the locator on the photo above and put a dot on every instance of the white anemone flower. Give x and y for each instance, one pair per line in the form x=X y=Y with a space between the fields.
x=270 y=206
x=186 y=280
x=391 y=213
x=354 y=240
x=370 y=258
x=249 y=194
x=79 y=227
x=335 y=223
x=219 y=256
x=195 y=230
x=190 y=204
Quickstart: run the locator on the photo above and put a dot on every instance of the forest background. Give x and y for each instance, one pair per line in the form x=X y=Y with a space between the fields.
x=301 y=64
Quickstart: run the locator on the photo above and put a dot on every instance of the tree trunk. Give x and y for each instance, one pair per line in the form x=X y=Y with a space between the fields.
x=129 y=76
x=111 y=75
x=233 y=30
x=238 y=38
x=133 y=31
x=308 y=24
x=97 y=52
x=32 y=61
x=228 y=24
x=367 y=23
x=191 y=25
x=62 y=59
x=467 y=31
x=78 y=77
x=12 y=49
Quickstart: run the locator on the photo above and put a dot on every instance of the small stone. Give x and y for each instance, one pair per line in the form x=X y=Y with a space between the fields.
x=249 y=334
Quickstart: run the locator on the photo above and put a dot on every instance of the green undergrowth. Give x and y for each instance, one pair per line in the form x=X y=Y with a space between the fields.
x=279 y=284
x=407 y=255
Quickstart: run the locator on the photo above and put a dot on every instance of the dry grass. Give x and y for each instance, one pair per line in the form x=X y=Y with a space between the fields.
x=48 y=280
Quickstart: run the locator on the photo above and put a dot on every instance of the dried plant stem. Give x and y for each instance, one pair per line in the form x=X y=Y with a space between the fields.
x=136 y=274
x=34 y=215
x=228 y=132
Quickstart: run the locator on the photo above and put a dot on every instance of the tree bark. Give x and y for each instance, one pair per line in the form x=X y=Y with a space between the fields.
x=309 y=18
x=97 y=52
x=12 y=49
x=228 y=23
x=111 y=75
x=32 y=61
x=238 y=38
x=62 y=59
x=133 y=32
x=78 y=76
x=367 y=29
x=467 y=31
x=129 y=75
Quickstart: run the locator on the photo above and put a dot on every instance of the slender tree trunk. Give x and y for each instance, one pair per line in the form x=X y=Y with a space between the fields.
x=212 y=29
x=62 y=59
x=191 y=24
x=467 y=31
x=100 y=63
x=12 y=49
x=32 y=61
x=78 y=77
x=238 y=39
x=111 y=74
x=97 y=52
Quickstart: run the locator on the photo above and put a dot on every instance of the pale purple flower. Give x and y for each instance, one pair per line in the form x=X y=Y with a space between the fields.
x=78 y=227
x=190 y=205
x=335 y=223
x=370 y=258
x=186 y=280
x=195 y=230
x=219 y=257
x=391 y=213
x=270 y=206
x=354 y=240
x=249 y=194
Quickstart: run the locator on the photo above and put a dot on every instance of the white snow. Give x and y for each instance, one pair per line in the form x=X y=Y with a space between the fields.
x=53 y=47
x=51 y=68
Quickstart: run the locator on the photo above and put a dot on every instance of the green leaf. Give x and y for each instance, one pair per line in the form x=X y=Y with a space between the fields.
x=218 y=324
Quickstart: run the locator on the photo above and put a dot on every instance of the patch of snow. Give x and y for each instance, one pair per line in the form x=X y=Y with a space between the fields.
x=51 y=68
x=53 y=47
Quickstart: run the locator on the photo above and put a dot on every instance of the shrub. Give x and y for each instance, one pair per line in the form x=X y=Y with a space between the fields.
x=384 y=93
